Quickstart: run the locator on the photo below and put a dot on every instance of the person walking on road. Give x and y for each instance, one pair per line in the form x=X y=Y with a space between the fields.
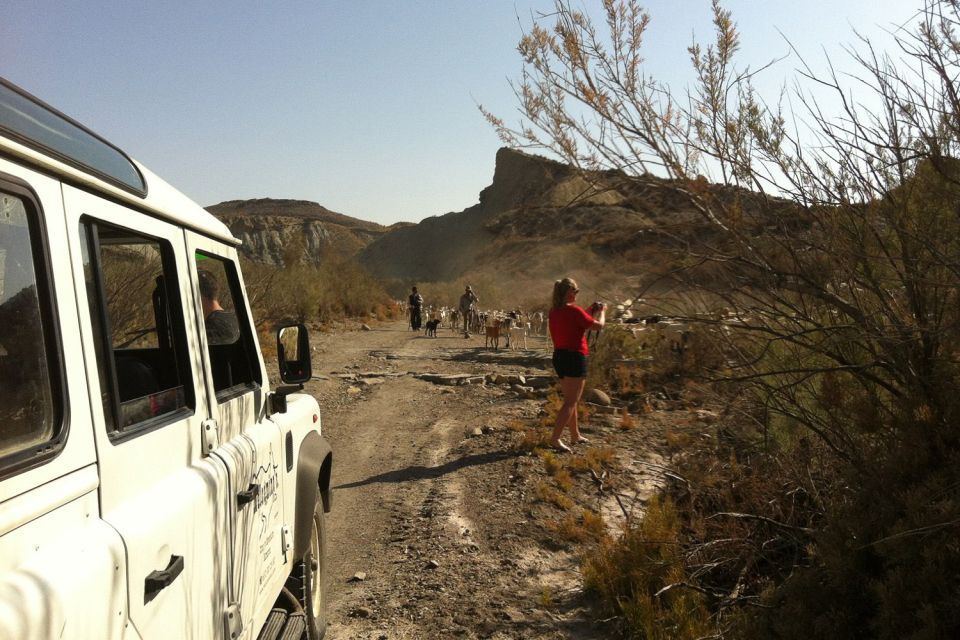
x=568 y=326
x=468 y=307
x=416 y=309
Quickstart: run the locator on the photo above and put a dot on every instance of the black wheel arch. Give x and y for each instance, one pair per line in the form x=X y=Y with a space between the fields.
x=314 y=465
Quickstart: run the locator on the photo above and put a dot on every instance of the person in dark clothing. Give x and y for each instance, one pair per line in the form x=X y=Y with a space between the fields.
x=221 y=325
x=416 y=309
x=468 y=307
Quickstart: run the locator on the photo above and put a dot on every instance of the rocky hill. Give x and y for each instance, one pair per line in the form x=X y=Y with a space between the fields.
x=270 y=229
x=537 y=220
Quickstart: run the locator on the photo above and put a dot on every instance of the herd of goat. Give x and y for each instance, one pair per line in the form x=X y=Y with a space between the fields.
x=513 y=327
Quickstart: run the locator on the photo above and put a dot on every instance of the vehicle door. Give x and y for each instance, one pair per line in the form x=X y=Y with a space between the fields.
x=247 y=441
x=158 y=489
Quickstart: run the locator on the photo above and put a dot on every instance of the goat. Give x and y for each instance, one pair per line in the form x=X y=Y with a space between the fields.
x=492 y=332
x=516 y=333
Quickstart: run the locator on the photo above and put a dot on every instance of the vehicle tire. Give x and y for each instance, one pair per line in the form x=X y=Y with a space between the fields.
x=314 y=571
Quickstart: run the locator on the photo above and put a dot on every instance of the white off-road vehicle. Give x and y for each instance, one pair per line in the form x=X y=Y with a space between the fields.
x=152 y=484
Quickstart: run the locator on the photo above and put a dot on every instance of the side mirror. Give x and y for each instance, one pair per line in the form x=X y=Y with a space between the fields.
x=293 y=354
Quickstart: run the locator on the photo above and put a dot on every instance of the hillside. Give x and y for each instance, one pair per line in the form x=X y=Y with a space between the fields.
x=268 y=228
x=537 y=220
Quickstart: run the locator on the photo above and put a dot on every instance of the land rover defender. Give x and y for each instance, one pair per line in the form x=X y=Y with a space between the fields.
x=152 y=482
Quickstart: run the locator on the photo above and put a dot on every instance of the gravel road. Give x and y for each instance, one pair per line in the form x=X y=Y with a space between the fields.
x=434 y=531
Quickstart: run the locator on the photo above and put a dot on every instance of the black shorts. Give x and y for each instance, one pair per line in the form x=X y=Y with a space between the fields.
x=569 y=364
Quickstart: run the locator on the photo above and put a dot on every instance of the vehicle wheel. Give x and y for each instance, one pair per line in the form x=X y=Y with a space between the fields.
x=314 y=570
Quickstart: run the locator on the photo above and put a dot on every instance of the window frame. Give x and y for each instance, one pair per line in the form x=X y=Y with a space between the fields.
x=36 y=455
x=89 y=227
x=244 y=323
x=65 y=126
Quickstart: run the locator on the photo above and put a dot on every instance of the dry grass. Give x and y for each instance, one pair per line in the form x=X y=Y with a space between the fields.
x=595 y=459
x=588 y=527
x=630 y=573
x=532 y=439
x=549 y=495
x=679 y=441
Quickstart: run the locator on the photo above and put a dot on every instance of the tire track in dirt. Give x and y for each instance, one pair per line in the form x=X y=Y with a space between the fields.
x=437 y=518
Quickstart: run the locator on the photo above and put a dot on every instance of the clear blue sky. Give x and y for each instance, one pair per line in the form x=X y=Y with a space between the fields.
x=367 y=107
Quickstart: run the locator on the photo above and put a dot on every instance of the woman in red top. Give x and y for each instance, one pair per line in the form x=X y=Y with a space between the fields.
x=568 y=326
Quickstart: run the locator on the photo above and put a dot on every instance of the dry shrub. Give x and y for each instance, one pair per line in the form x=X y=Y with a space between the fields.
x=627 y=423
x=594 y=459
x=593 y=524
x=551 y=462
x=678 y=441
x=532 y=440
x=517 y=426
x=630 y=575
x=585 y=413
x=563 y=480
x=588 y=527
x=548 y=494
x=547 y=600
x=335 y=289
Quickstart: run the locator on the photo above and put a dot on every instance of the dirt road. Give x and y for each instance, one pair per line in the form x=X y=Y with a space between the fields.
x=433 y=532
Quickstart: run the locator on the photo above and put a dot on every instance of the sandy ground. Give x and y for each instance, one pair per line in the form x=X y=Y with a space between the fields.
x=436 y=531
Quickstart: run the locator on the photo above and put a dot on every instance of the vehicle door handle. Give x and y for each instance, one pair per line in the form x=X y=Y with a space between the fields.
x=157 y=581
x=248 y=496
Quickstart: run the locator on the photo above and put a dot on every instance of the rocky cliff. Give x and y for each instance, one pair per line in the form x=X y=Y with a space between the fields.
x=272 y=230
x=537 y=218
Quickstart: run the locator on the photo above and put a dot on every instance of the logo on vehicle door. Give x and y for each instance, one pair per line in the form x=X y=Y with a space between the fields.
x=266 y=478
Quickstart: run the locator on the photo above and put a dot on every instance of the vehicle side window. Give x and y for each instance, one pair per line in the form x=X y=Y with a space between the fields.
x=31 y=407
x=229 y=336
x=141 y=344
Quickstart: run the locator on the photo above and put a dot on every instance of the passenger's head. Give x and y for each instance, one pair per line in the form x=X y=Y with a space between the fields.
x=560 y=290
x=209 y=288
x=414 y=289
x=468 y=289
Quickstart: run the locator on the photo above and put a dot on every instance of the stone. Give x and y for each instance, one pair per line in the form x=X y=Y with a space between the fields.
x=370 y=382
x=540 y=382
x=359 y=576
x=522 y=391
x=597 y=396
x=361 y=612
x=487 y=429
x=433 y=564
x=365 y=327
x=353 y=390
x=477 y=432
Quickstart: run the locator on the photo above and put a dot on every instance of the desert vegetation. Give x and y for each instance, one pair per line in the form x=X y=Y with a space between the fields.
x=335 y=288
x=823 y=281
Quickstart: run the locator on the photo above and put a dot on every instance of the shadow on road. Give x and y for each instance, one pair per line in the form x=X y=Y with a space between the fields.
x=419 y=472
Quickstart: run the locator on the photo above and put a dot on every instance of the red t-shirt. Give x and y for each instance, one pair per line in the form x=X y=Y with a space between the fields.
x=568 y=326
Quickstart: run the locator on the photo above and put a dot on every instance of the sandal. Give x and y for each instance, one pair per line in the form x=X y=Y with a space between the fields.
x=581 y=440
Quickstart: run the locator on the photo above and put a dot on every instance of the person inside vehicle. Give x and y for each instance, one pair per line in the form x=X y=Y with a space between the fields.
x=221 y=325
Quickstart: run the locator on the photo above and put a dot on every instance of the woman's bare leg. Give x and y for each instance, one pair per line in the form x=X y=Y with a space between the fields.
x=572 y=388
x=577 y=389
